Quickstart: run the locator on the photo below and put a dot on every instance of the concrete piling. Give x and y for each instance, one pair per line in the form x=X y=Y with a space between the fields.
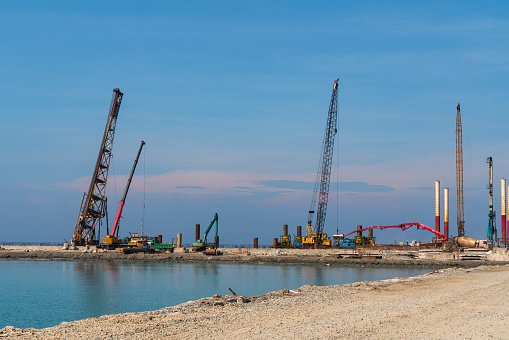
x=197 y=237
x=179 y=240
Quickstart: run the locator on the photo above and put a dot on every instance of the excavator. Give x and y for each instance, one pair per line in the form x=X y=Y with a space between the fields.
x=203 y=245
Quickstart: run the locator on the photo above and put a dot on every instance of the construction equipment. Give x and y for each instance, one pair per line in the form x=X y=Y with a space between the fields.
x=112 y=238
x=466 y=242
x=459 y=174
x=404 y=226
x=318 y=238
x=492 y=231
x=202 y=244
x=313 y=239
x=285 y=241
x=93 y=204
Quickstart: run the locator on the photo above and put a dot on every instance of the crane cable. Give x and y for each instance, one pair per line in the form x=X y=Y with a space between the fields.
x=337 y=189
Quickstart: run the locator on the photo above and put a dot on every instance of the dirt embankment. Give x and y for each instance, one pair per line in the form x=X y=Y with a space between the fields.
x=323 y=259
x=445 y=304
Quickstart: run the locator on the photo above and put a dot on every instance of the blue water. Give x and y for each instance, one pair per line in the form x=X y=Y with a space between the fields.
x=45 y=293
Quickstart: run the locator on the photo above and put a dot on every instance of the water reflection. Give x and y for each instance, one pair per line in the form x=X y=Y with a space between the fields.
x=43 y=294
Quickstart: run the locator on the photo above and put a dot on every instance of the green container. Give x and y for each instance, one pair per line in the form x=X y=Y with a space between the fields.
x=163 y=246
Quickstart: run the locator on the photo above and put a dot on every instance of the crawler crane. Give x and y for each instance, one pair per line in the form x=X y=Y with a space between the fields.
x=93 y=204
x=316 y=236
x=112 y=238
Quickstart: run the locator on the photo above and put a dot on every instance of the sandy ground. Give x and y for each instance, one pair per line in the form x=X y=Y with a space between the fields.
x=448 y=303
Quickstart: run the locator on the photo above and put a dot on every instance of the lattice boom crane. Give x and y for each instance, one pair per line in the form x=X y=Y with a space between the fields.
x=324 y=169
x=93 y=204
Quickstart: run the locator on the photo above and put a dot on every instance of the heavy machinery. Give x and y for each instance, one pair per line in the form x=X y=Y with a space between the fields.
x=112 y=239
x=313 y=239
x=201 y=245
x=93 y=204
x=315 y=236
x=492 y=231
x=459 y=174
x=404 y=226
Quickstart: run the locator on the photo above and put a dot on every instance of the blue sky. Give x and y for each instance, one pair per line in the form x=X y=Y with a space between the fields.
x=231 y=98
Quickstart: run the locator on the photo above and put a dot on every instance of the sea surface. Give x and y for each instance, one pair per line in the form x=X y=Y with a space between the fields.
x=42 y=294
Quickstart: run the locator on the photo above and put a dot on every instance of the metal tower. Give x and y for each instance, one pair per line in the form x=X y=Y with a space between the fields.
x=492 y=231
x=459 y=174
x=93 y=205
x=324 y=168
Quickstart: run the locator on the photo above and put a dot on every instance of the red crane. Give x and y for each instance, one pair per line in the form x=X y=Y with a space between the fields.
x=93 y=204
x=112 y=238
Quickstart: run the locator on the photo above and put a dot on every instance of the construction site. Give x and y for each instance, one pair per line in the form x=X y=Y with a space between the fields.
x=444 y=243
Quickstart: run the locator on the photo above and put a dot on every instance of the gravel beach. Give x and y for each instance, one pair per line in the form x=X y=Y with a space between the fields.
x=464 y=303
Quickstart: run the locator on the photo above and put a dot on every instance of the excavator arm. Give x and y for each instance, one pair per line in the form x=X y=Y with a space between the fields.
x=214 y=220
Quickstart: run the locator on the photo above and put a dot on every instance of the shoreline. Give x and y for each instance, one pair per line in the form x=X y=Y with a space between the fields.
x=314 y=259
x=400 y=307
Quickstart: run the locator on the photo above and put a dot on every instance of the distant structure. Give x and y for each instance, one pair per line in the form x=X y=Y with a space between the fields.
x=503 y=209
x=459 y=174
x=492 y=230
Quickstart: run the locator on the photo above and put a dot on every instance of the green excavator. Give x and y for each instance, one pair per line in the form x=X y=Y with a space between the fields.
x=201 y=245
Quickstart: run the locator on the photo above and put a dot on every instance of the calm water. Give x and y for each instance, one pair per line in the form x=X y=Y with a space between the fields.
x=42 y=294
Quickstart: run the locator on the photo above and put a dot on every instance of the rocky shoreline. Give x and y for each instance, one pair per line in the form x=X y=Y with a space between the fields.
x=431 y=306
x=275 y=258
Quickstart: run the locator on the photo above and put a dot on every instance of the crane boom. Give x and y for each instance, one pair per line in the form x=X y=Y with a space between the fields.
x=93 y=205
x=324 y=168
x=122 y=202
x=459 y=174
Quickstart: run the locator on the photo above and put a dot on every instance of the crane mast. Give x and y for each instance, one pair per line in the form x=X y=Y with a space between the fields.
x=93 y=205
x=324 y=169
x=122 y=202
x=459 y=174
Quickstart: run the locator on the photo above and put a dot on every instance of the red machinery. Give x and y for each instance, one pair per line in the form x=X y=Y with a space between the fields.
x=93 y=204
x=112 y=238
x=403 y=226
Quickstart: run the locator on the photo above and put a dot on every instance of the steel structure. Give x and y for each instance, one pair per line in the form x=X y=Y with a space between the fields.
x=492 y=231
x=403 y=226
x=503 y=208
x=93 y=205
x=324 y=168
x=122 y=202
x=459 y=174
